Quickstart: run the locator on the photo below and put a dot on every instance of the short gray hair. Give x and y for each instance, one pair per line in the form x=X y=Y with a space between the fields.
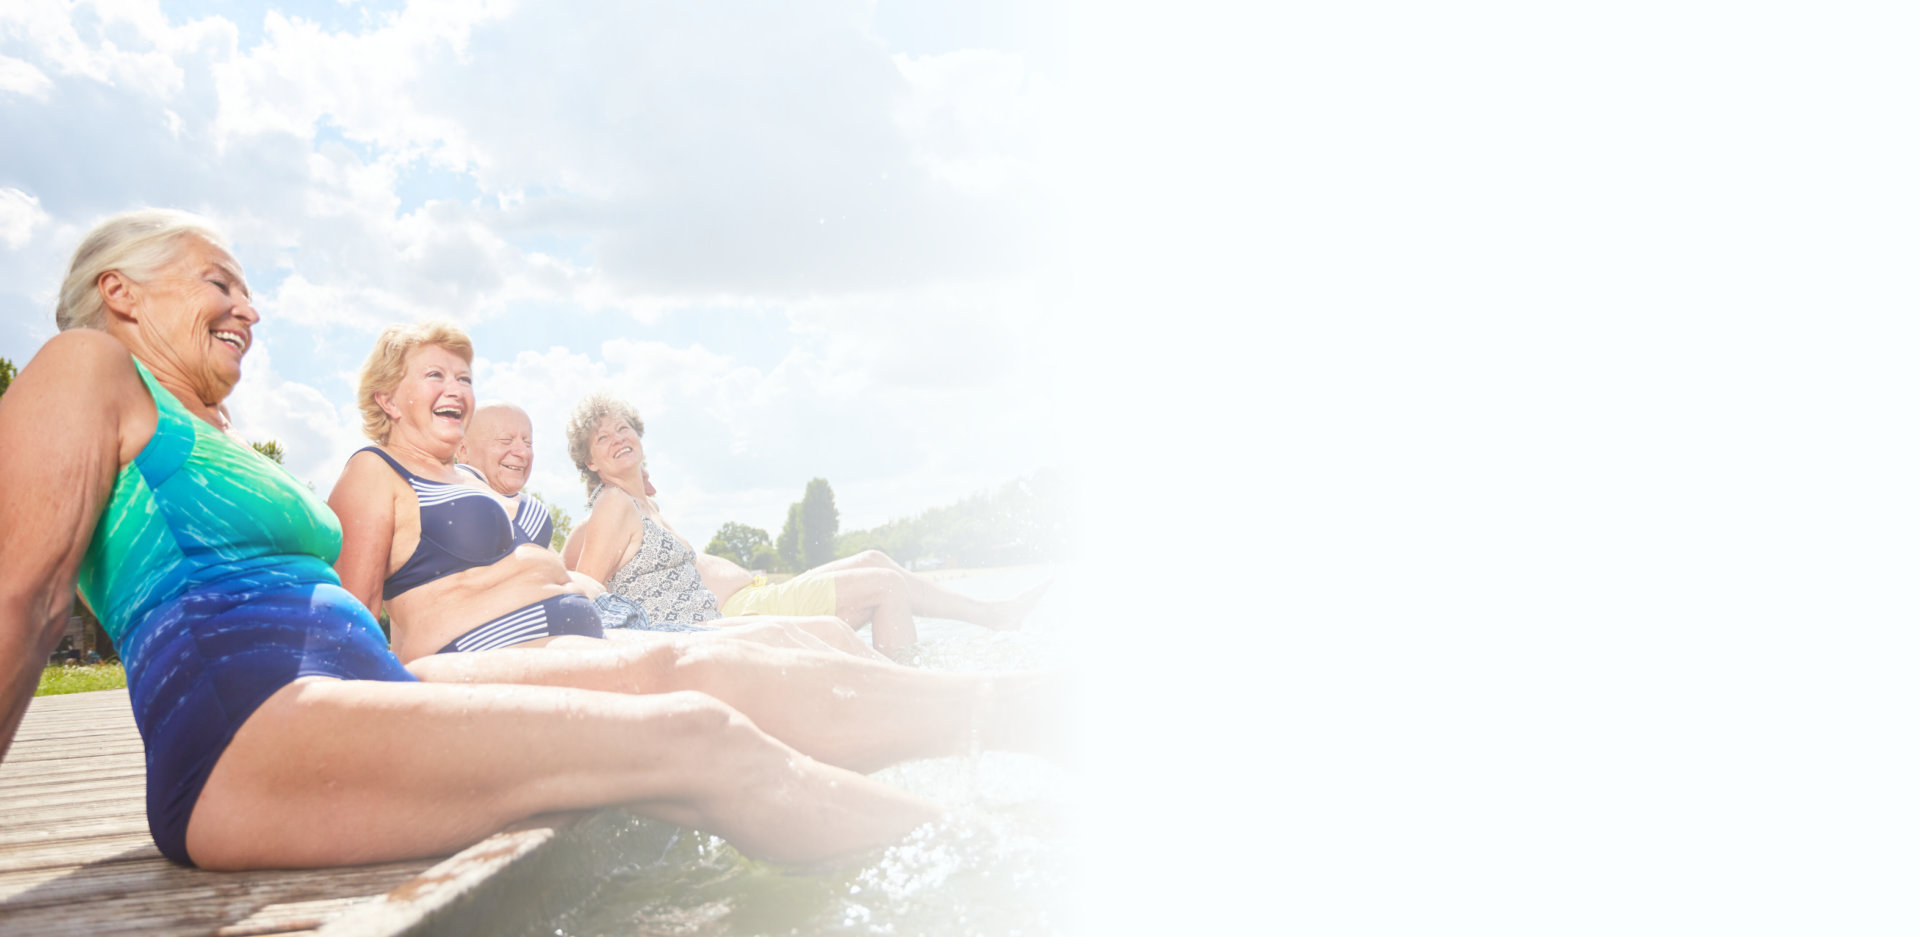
x=585 y=416
x=137 y=244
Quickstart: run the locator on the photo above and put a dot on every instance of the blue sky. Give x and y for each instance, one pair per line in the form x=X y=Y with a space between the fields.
x=807 y=239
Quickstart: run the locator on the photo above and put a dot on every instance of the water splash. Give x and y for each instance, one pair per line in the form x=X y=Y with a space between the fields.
x=999 y=863
x=993 y=868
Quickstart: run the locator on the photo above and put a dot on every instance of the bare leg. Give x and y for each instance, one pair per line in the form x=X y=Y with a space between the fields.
x=868 y=579
x=879 y=597
x=828 y=632
x=331 y=772
x=856 y=713
x=816 y=633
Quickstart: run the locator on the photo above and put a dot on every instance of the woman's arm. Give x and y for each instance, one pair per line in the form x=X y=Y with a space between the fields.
x=75 y=415
x=603 y=539
x=363 y=500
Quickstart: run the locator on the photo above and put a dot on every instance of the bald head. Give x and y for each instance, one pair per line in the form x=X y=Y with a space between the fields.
x=500 y=444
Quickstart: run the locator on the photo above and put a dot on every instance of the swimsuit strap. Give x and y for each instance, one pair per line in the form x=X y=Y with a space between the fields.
x=457 y=532
x=409 y=476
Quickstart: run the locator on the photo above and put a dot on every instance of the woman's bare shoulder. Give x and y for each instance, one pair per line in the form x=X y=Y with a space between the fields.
x=80 y=355
x=365 y=480
x=614 y=506
x=80 y=378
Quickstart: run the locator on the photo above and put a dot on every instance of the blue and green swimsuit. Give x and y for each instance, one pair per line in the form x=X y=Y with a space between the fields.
x=211 y=570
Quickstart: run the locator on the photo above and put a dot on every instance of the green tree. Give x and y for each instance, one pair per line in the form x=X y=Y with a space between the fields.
x=738 y=542
x=271 y=449
x=763 y=558
x=1026 y=520
x=562 y=521
x=6 y=375
x=819 y=524
x=787 y=547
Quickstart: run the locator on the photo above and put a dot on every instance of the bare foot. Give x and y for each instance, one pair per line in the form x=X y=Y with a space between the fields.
x=1012 y=613
x=819 y=812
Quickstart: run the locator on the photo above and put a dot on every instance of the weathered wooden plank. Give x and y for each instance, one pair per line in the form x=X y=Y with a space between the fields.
x=84 y=863
x=55 y=750
x=156 y=875
x=29 y=761
x=95 y=734
x=95 y=792
x=106 y=803
x=511 y=883
x=73 y=727
x=175 y=913
x=76 y=761
x=288 y=919
x=63 y=852
x=76 y=857
x=72 y=829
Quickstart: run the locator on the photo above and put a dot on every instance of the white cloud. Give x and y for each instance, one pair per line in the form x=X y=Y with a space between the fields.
x=20 y=215
x=316 y=433
x=667 y=159
x=947 y=337
x=18 y=77
x=977 y=118
x=729 y=441
x=363 y=83
x=127 y=44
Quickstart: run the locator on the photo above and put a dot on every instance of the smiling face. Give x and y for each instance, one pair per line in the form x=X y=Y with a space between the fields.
x=432 y=402
x=193 y=319
x=500 y=445
x=614 y=448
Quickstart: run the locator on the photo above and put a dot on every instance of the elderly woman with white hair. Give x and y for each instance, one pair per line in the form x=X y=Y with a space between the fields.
x=279 y=728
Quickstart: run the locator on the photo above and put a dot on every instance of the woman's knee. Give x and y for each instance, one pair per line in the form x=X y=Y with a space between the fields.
x=868 y=586
x=653 y=667
x=700 y=715
x=874 y=559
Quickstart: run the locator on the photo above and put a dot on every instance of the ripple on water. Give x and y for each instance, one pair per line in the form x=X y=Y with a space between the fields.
x=997 y=870
x=997 y=864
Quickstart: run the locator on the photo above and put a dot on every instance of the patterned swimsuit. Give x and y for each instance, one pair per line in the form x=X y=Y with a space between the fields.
x=661 y=577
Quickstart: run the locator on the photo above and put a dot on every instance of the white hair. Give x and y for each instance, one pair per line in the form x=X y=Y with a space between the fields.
x=137 y=244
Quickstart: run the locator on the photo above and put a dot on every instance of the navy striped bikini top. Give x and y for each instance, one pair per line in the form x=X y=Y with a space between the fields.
x=461 y=527
x=534 y=521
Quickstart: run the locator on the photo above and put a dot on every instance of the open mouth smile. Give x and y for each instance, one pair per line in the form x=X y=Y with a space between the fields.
x=238 y=340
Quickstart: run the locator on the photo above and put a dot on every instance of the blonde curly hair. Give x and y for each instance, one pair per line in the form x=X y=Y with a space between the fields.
x=388 y=364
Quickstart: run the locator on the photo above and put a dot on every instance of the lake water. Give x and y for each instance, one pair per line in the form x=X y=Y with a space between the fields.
x=1000 y=864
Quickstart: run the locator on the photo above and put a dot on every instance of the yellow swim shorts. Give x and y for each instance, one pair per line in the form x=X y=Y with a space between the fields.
x=801 y=595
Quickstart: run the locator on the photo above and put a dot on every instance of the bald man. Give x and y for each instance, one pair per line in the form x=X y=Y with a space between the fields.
x=499 y=445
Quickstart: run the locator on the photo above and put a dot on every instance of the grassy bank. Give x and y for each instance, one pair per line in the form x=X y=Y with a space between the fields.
x=80 y=678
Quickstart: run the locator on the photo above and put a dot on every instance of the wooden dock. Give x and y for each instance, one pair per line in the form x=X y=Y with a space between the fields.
x=76 y=857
